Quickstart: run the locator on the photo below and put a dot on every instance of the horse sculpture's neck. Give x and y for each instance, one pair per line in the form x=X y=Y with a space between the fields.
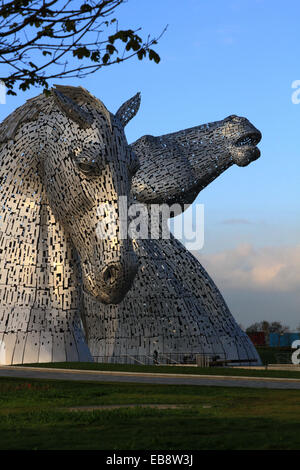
x=40 y=296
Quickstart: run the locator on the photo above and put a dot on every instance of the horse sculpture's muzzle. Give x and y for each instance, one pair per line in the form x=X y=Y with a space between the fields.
x=243 y=149
x=115 y=279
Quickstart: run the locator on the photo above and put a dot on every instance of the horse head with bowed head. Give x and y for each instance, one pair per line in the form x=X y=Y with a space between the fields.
x=62 y=157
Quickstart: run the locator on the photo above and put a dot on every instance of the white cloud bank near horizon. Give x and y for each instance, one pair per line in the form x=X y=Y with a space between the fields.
x=258 y=283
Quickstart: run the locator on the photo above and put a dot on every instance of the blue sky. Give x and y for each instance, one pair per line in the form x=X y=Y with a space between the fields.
x=220 y=58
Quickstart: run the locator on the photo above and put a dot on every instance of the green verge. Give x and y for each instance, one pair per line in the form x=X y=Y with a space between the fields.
x=34 y=414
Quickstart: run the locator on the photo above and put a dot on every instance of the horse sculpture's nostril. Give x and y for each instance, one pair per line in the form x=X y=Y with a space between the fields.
x=109 y=274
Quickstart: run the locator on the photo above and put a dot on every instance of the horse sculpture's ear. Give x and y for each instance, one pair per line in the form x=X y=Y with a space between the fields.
x=129 y=109
x=72 y=109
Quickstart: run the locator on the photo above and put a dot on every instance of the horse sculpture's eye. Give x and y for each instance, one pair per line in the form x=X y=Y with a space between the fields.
x=88 y=168
x=88 y=161
x=87 y=165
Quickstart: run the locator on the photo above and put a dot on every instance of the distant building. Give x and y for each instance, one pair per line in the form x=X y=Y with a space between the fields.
x=284 y=340
x=258 y=338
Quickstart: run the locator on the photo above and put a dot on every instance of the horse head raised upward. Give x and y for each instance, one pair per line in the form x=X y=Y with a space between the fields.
x=175 y=167
x=62 y=157
x=179 y=308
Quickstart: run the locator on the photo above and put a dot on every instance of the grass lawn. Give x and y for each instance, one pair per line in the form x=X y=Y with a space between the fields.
x=34 y=415
x=170 y=369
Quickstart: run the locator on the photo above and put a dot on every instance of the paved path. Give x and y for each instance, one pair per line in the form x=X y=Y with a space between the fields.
x=150 y=378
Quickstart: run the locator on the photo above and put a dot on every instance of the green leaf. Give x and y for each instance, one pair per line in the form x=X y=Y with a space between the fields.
x=85 y=8
x=154 y=56
x=46 y=12
x=132 y=44
x=110 y=49
x=141 y=54
x=123 y=35
x=95 y=56
x=105 y=58
x=70 y=25
x=81 y=52
x=24 y=86
x=47 y=31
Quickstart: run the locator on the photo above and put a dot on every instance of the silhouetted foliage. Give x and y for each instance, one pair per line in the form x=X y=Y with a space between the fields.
x=267 y=328
x=38 y=39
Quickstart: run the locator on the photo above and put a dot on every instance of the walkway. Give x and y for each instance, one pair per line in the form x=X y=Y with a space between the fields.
x=149 y=378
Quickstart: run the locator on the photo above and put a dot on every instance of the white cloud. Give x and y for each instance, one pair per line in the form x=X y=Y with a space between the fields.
x=258 y=283
x=245 y=267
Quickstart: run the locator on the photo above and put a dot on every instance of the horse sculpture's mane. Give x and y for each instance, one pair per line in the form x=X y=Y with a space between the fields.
x=45 y=104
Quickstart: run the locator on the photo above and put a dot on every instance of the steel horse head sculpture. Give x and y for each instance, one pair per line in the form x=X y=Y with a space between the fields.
x=62 y=156
x=67 y=294
x=174 y=310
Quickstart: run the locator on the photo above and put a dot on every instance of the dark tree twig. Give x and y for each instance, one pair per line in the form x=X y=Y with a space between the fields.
x=38 y=38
